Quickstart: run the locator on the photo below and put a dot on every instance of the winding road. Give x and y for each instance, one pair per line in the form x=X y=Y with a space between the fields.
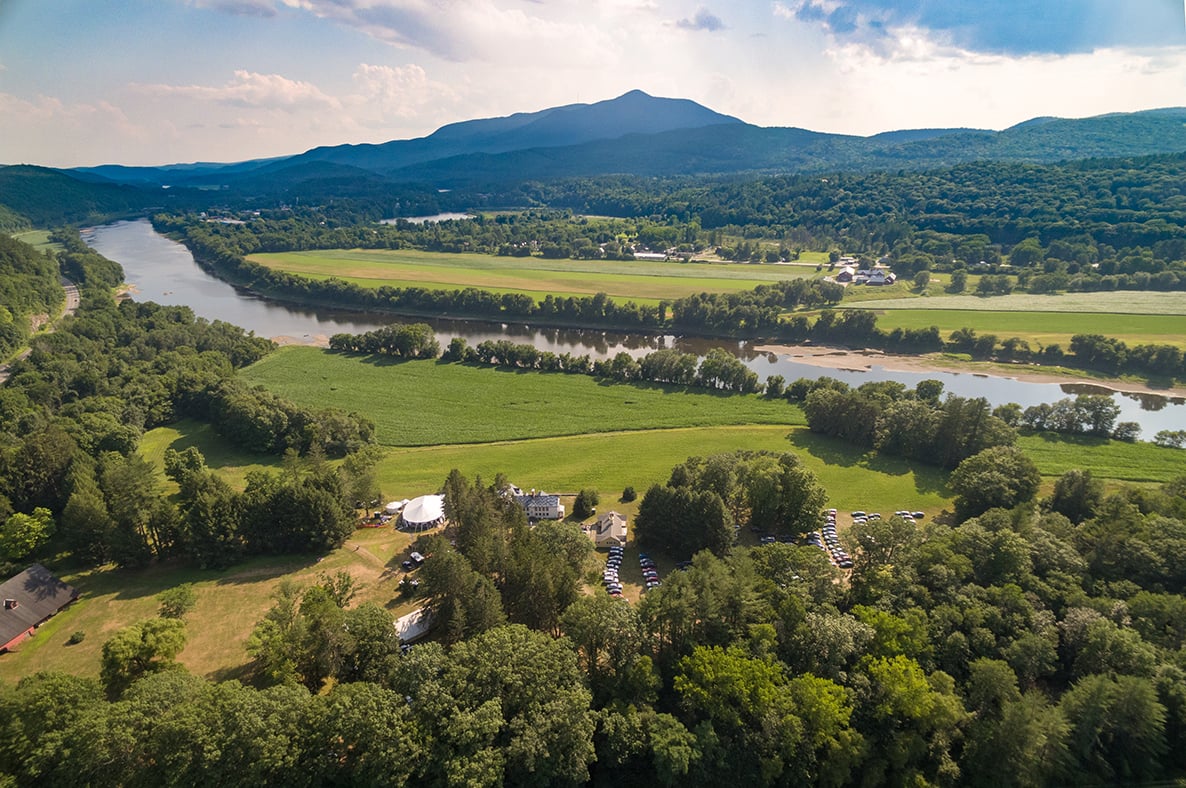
x=72 y=301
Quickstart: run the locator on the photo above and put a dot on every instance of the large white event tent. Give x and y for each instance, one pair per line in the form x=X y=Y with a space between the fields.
x=420 y=514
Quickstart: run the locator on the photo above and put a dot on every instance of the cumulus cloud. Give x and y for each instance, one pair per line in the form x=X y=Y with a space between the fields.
x=456 y=30
x=249 y=89
x=402 y=92
x=702 y=20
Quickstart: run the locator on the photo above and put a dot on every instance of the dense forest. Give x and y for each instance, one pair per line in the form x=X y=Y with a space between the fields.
x=73 y=411
x=29 y=287
x=1030 y=646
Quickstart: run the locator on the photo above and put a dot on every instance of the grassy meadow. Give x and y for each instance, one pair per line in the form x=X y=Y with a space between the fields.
x=422 y=403
x=1039 y=328
x=1137 y=302
x=229 y=604
x=627 y=280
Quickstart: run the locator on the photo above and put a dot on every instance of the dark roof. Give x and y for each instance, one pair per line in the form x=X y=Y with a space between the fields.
x=38 y=595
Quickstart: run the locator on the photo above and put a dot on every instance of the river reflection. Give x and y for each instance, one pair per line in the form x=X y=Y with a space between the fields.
x=164 y=271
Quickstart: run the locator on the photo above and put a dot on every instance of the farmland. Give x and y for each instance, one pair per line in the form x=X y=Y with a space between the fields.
x=1143 y=302
x=423 y=403
x=1039 y=328
x=634 y=280
x=483 y=438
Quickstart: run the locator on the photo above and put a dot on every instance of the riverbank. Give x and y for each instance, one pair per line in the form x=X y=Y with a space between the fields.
x=864 y=361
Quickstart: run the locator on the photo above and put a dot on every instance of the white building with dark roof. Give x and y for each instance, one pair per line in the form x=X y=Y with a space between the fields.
x=541 y=505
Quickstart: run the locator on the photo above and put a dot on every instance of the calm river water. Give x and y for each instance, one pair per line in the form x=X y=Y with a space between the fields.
x=164 y=271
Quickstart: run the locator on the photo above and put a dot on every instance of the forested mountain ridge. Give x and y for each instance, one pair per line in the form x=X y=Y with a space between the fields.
x=645 y=135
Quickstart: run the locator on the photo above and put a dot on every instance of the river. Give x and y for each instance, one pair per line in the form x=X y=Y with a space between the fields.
x=162 y=270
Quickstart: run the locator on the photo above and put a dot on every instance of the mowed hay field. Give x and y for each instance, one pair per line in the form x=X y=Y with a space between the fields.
x=1043 y=328
x=1134 y=317
x=424 y=403
x=626 y=280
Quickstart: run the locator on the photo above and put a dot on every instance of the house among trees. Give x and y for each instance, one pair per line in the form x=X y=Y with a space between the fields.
x=539 y=505
x=30 y=598
x=609 y=530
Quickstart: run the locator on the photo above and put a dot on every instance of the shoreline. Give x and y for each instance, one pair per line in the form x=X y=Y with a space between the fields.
x=864 y=360
x=835 y=358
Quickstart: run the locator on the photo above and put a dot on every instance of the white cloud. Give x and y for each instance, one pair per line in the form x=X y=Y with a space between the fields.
x=250 y=90
x=457 y=30
x=702 y=20
x=923 y=83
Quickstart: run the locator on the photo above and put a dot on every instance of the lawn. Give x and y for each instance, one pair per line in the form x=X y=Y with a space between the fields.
x=229 y=604
x=536 y=409
x=1038 y=327
x=635 y=280
x=424 y=403
x=38 y=239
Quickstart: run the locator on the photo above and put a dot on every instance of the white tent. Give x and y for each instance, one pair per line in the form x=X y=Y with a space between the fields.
x=394 y=507
x=427 y=511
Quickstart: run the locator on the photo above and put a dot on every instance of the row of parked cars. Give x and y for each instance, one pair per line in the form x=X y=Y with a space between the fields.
x=650 y=573
x=827 y=540
x=861 y=517
x=610 y=577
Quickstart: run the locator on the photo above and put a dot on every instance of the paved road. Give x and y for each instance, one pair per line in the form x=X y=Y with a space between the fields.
x=72 y=301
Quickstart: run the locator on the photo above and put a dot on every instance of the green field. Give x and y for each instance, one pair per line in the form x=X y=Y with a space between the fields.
x=1042 y=328
x=634 y=280
x=1110 y=460
x=422 y=403
x=38 y=239
x=1137 y=302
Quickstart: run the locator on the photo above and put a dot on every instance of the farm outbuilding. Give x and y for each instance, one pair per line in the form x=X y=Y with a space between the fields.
x=30 y=598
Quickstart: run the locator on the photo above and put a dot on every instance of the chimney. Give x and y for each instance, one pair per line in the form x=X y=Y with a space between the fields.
x=10 y=604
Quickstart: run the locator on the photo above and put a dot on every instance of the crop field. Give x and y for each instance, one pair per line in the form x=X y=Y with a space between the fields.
x=424 y=403
x=636 y=280
x=1056 y=454
x=1136 y=302
x=1037 y=327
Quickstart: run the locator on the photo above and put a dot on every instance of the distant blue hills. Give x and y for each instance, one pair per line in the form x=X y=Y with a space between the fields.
x=634 y=134
x=639 y=134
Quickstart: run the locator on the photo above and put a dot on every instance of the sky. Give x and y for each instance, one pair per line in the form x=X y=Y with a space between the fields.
x=150 y=82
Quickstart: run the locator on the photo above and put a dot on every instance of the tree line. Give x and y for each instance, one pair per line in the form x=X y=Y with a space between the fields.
x=73 y=412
